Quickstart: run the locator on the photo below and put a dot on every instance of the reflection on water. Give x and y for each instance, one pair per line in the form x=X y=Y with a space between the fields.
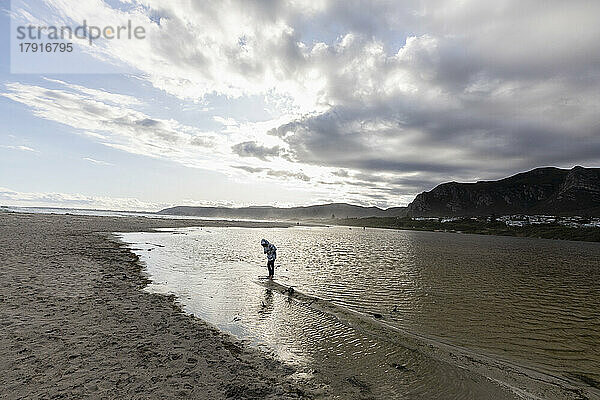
x=531 y=302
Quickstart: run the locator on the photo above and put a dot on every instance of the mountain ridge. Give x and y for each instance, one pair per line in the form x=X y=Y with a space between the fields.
x=544 y=190
x=319 y=211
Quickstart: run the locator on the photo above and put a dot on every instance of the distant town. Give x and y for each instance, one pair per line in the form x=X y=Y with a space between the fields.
x=524 y=220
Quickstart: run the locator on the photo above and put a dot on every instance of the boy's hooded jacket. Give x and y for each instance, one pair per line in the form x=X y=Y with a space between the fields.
x=270 y=249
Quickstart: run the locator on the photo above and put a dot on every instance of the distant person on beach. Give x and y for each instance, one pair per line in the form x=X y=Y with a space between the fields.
x=271 y=252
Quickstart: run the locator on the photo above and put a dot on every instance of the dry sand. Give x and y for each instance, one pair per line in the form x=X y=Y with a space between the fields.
x=75 y=323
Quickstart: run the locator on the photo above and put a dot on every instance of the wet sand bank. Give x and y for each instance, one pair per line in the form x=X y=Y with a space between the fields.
x=75 y=323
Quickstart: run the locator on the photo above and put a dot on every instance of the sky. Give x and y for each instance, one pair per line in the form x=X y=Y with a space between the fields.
x=236 y=103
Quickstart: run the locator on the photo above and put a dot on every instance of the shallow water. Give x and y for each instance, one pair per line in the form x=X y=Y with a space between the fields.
x=530 y=302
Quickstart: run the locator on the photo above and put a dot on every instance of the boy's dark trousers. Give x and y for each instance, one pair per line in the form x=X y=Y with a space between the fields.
x=271 y=267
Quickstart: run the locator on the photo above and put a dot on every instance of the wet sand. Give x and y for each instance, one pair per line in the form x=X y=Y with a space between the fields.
x=75 y=322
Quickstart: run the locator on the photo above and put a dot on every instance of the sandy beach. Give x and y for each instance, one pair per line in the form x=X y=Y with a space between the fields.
x=75 y=322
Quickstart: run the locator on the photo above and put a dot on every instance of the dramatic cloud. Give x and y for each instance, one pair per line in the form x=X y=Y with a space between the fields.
x=274 y=173
x=253 y=149
x=94 y=114
x=252 y=170
x=384 y=99
x=288 y=174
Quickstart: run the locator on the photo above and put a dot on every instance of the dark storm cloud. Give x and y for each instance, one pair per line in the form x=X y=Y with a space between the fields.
x=253 y=149
x=274 y=173
x=472 y=111
x=203 y=141
x=341 y=173
x=148 y=122
x=414 y=183
x=251 y=170
x=287 y=174
x=337 y=138
x=479 y=143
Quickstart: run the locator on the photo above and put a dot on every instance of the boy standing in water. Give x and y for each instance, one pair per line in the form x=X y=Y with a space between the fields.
x=271 y=252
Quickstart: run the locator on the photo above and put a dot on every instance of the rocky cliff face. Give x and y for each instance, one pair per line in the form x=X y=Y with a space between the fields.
x=580 y=189
x=540 y=191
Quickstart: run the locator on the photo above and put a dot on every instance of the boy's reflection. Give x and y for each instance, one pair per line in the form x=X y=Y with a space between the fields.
x=266 y=306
